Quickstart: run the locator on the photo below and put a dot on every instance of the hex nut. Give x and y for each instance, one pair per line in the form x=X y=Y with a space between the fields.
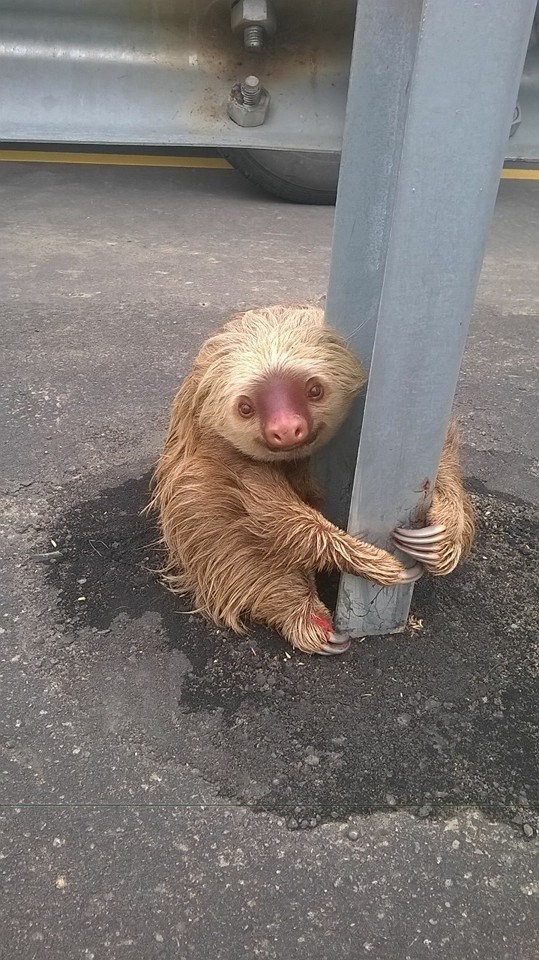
x=246 y=114
x=251 y=13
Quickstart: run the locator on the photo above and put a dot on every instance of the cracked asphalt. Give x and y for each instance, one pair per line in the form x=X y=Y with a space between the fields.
x=169 y=789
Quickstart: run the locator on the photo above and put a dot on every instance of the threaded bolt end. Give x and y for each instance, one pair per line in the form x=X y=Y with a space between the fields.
x=251 y=90
x=253 y=37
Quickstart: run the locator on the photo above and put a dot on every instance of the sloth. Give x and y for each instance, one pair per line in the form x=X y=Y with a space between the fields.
x=237 y=509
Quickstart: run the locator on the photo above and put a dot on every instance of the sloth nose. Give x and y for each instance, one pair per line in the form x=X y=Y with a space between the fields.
x=287 y=431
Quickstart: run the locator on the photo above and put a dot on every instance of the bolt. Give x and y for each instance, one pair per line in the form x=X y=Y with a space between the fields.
x=248 y=102
x=254 y=37
x=251 y=90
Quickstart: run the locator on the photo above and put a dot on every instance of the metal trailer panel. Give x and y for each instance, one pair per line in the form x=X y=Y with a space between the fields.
x=415 y=200
x=159 y=73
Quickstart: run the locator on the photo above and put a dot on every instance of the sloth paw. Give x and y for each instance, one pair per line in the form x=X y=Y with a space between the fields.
x=334 y=642
x=435 y=547
x=448 y=534
x=315 y=634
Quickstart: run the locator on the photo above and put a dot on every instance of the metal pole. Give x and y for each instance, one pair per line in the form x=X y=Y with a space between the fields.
x=433 y=86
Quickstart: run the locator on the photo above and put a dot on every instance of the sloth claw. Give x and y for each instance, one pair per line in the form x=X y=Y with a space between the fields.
x=433 y=534
x=336 y=643
x=427 y=555
x=411 y=574
x=422 y=545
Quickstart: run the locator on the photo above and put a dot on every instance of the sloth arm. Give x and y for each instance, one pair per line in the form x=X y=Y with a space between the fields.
x=450 y=530
x=300 y=536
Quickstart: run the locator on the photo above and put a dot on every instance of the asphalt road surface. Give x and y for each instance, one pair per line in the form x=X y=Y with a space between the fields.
x=169 y=790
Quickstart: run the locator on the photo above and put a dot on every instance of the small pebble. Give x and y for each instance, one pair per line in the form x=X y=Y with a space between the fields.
x=390 y=799
x=425 y=811
x=352 y=834
x=403 y=719
x=528 y=830
x=312 y=760
x=293 y=824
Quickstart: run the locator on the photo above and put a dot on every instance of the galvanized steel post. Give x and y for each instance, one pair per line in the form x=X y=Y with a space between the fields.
x=433 y=87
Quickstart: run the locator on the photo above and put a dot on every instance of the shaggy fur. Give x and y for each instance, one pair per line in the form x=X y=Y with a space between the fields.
x=451 y=508
x=238 y=520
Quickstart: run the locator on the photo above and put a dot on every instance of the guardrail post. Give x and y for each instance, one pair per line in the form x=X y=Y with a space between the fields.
x=433 y=87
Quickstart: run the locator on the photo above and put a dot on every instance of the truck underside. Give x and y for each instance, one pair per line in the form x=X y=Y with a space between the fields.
x=163 y=72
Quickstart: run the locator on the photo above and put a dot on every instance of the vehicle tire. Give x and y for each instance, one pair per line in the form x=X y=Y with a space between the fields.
x=297 y=176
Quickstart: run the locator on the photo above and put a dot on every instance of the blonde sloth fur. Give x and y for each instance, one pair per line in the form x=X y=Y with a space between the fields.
x=239 y=521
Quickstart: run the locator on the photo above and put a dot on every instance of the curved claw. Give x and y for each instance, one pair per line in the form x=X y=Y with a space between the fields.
x=433 y=534
x=424 y=558
x=422 y=552
x=411 y=574
x=334 y=646
x=423 y=544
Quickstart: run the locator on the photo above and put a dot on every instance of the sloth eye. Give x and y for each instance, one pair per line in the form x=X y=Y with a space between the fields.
x=315 y=390
x=245 y=408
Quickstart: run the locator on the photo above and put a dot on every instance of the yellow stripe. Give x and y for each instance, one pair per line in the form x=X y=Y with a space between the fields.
x=516 y=173
x=199 y=163
x=114 y=159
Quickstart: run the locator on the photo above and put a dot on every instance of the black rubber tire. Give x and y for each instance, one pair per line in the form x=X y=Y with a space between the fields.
x=297 y=176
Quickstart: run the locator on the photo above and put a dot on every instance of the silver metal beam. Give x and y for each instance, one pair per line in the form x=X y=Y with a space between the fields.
x=160 y=73
x=432 y=91
x=157 y=72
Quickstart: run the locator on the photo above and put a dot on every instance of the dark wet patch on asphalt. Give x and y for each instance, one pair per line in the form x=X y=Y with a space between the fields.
x=442 y=715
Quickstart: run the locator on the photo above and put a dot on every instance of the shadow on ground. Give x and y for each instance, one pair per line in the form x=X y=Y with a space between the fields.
x=443 y=714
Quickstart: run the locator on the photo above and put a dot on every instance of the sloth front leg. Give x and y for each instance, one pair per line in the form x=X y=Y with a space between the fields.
x=298 y=536
x=292 y=607
x=448 y=536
